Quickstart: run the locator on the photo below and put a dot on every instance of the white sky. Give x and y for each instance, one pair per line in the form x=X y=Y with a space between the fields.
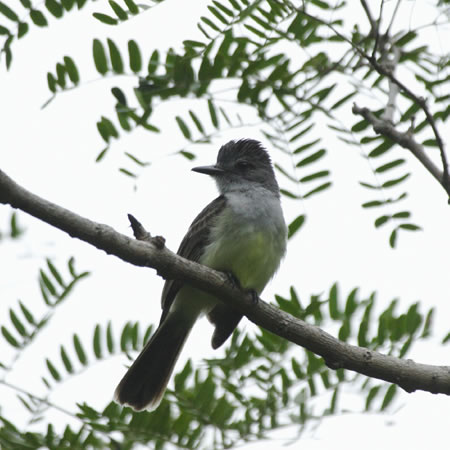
x=52 y=152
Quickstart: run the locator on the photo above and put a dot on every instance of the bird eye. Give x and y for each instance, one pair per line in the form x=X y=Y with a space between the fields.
x=242 y=165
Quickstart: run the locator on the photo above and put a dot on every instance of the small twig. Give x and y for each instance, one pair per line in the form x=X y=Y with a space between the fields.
x=377 y=31
x=141 y=234
x=388 y=31
x=41 y=400
x=372 y=21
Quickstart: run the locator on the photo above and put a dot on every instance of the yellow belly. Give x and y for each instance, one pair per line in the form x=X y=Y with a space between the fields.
x=253 y=257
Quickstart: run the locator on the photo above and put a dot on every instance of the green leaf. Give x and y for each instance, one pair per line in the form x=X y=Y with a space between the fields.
x=382 y=148
x=210 y=23
x=289 y=194
x=409 y=227
x=410 y=112
x=395 y=181
x=188 y=155
x=38 y=18
x=345 y=330
x=153 y=62
x=101 y=63
x=334 y=399
x=401 y=215
x=102 y=154
x=305 y=146
x=17 y=323
x=10 y=338
x=333 y=302
x=254 y=30
x=218 y=15
x=136 y=160
x=181 y=377
x=119 y=95
x=368 y=186
x=15 y=229
x=51 y=368
x=430 y=143
x=372 y=204
x=54 y=7
x=72 y=70
x=405 y=39
x=127 y=172
x=213 y=113
x=66 y=361
x=125 y=337
x=68 y=4
x=381 y=221
x=8 y=12
x=296 y=367
x=132 y=7
x=323 y=93
x=446 y=338
x=118 y=10
x=79 y=350
x=371 y=396
x=393 y=238
x=197 y=122
x=97 y=342
x=116 y=59
x=27 y=314
x=109 y=338
x=48 y=284
x=343 y=100
x=135 y=56
x=295 y=225
x=51 y=81
x=55 y=273
x=318 y=189
x=61 y=75
x=183 y=127
x=315 y=176
x=108 y=20
x=428 y=323
x=352 y=303
x=22 y=29
x=312 y=158
x=389 y=166
x=390 y=393
x=360 y=126
x=300 y=134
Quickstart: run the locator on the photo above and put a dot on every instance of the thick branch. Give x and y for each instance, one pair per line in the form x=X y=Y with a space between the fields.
x=406 y=140
x=407 y=374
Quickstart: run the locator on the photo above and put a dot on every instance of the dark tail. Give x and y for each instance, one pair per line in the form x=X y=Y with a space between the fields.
x=144 y=384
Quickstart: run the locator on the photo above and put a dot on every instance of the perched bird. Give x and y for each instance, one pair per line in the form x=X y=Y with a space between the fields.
x=241 y=232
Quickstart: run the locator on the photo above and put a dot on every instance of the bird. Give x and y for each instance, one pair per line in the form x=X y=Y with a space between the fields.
x=243 y=233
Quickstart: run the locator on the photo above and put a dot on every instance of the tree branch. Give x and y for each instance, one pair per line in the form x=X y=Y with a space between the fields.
x=421 y=101
x=407 y=374
x=406 y=140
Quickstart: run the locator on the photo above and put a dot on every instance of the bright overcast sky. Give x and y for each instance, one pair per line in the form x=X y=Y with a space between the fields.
x=52 y=153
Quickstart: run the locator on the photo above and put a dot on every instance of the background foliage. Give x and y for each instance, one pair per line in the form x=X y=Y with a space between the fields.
x=289 y=69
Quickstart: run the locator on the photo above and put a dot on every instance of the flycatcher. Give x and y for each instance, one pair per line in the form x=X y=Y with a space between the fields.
x=243 y=232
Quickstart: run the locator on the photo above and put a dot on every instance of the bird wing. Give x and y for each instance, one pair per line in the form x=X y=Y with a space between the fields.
x=192 y=247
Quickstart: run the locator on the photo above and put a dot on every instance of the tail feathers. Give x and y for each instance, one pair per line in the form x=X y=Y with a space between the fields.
x=144 y=384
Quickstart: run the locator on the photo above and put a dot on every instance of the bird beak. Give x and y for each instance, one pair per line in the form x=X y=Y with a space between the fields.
x=209 y=170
